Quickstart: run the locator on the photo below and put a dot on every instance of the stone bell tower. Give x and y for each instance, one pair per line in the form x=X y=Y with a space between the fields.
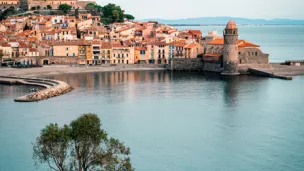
x=230 y=56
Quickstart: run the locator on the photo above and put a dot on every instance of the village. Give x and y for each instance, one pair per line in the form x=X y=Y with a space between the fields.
x=81 y=39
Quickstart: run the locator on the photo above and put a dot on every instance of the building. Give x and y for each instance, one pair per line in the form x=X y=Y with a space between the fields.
x=5 y=4
x=193 y=50
x=81 y=4
x=229 y=54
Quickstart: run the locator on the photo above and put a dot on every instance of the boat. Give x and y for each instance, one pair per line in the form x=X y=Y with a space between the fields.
x=33 y=89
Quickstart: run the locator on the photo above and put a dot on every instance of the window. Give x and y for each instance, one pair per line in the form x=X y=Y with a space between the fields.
x=127 y=55
x=114 y=61
x=67 y=54
x=256 y=53
x=74 y=54
x=67 y=48
x=239 y=53
x=122 y=55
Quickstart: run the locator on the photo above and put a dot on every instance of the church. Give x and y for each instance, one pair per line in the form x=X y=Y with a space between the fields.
x=229 y=55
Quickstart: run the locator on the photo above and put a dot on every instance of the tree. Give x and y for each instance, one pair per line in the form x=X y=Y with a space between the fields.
x=112 y=13
x=26 y=27
x=51 y=147
x=65 y=8
x=129 y=17
x=48 y=7
x=1 y=56
x=90 y=6
x=199 y=55
x=81 y=146
x=9 y=11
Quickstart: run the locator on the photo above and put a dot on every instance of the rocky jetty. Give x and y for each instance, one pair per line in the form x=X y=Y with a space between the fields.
x=58 y=90
x=53 y=88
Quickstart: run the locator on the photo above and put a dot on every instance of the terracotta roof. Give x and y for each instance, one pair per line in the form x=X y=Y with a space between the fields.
x=140 y=48
x=216 y=42
x=212 y=55
x=6 y=45
x=195 y=32
x=231 y=25
x=106 y=45
x=33 y=50
x=244 y=44
x=192 y=45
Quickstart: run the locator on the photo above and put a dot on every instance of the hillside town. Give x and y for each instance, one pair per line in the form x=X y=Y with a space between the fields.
x=82 y=39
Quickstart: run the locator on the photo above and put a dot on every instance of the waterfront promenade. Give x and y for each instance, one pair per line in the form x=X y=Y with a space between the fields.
x=66 y=69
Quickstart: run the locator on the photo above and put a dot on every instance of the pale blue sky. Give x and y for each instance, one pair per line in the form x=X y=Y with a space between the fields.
x=175 y=9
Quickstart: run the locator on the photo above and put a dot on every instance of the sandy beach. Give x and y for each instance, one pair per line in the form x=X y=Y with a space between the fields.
x=65 y=69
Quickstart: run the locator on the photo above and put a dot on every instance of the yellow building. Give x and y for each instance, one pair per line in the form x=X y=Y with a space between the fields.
x=85 y=55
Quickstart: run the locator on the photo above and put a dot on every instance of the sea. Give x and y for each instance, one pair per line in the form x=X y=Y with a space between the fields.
x=281 y=42
x=177 y=121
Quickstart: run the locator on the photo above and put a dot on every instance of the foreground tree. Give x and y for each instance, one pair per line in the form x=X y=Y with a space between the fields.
x=65 y=8
x=81 y=146
x=52 y=146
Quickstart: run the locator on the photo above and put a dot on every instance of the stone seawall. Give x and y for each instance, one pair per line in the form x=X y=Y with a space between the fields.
x=187 y=64
x=53 y=88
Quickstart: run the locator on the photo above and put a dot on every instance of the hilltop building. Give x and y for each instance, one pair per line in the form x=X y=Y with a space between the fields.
x=28 y=4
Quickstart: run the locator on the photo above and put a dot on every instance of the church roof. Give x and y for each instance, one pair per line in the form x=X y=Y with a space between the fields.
x=231 y=25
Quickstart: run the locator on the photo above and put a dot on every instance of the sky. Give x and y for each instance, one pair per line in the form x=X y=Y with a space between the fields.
x=179 y=9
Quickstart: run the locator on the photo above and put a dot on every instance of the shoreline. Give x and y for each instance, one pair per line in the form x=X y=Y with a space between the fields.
x=66 y=69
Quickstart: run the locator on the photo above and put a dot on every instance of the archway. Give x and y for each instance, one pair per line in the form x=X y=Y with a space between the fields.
x=46 y=62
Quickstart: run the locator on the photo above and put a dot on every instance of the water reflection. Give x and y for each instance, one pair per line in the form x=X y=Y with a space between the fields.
x=127 y=85
x=162 y=116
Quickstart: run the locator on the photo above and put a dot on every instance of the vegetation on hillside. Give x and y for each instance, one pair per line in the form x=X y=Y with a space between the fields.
x=9 y=11
x=65 y=8
x=110 y=13
x=81 y=146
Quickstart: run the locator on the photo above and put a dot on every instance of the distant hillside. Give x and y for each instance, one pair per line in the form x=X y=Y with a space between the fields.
x=224 y=20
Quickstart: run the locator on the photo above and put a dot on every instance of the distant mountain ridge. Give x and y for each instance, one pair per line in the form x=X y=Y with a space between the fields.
x=224 y=20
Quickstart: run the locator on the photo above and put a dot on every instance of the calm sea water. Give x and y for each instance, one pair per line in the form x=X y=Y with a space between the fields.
x=171 y=121
x=281 y=42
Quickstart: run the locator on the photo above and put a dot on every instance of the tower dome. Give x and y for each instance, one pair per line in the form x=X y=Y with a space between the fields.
x=231 y=25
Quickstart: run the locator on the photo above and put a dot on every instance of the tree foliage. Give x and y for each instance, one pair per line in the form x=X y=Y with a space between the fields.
x=129 y=17
x=9 y=11
x=48 y=7
x=112 y=13
x=65 y=8
x=81 y=146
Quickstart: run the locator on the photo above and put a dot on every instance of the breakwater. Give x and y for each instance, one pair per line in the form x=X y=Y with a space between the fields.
x=52 y=88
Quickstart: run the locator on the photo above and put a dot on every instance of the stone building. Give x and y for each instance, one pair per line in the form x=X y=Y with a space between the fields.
x=4 y=4
x=230 y=54
x=55 y=3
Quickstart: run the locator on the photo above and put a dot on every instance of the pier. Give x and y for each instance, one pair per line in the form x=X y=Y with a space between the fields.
x=52 y=88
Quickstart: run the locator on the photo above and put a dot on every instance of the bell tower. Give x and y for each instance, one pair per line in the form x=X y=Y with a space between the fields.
x=230 y=56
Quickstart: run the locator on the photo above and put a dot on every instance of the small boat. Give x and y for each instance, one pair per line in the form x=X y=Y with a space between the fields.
x=33 y=89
